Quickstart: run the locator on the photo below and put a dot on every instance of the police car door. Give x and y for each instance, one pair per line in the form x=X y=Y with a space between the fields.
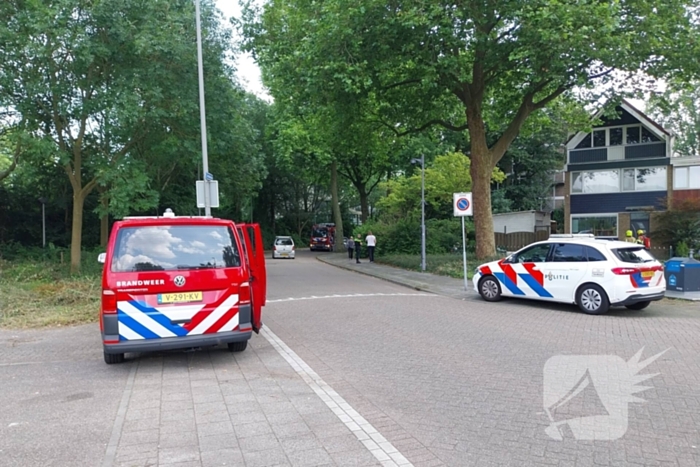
x=523 y=273
x=566 y=269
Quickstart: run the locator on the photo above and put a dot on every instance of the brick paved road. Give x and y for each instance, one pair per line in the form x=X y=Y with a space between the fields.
x=445 y=382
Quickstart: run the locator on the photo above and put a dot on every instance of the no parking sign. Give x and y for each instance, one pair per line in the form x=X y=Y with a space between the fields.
x=462 y=204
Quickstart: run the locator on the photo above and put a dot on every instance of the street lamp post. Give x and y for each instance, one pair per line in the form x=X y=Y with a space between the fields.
x=422 y=209
x=202 y=114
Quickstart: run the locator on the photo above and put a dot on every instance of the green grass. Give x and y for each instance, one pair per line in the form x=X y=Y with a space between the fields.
x=442 y=264
x=36 y=293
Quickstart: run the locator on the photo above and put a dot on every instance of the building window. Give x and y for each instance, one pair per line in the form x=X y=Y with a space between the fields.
x=613 y=181
x=585 y=142
x=599 y=139
x=686 y=177
x=600 y=226
x=607 y=181
x=680 y=177
x=650 y=179
x=648 y=136
x=628 y=180
x=616 y=136
x=694 y=177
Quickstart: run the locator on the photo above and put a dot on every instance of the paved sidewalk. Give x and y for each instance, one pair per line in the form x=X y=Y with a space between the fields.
x=424 y=281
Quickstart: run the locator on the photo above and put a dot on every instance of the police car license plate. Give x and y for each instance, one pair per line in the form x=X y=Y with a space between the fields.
x=180 y=297
x=647 y=274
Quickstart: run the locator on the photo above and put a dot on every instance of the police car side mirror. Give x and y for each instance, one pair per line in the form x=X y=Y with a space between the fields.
x=101 y=258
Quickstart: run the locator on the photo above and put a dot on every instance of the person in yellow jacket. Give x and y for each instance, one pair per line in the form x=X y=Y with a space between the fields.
x=629 y=237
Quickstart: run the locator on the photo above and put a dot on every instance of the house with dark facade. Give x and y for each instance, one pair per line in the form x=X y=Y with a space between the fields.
x=619 y=175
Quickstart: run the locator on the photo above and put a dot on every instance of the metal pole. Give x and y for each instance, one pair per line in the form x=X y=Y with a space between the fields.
x=464 y=254
x=43 y=225
x=422 y=211
x=202 y=114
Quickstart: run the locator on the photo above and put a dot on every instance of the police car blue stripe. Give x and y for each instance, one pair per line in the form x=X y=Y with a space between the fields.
x=159 y=318
x=508 y=283
x=534 y=285
x=136 y=326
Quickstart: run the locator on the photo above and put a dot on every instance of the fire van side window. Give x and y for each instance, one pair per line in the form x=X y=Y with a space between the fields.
x=175 y=247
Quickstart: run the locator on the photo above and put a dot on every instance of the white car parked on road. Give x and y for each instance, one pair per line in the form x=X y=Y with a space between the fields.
x=592 y=273
x=283 y=248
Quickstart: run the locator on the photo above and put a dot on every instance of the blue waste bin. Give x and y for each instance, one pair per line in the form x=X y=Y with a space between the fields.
x=682 y=274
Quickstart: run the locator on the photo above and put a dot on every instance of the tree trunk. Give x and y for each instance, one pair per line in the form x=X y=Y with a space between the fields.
x=481 y=170
x=76 y=231
x=483 y=221
x=337 y=216
x=364 y=203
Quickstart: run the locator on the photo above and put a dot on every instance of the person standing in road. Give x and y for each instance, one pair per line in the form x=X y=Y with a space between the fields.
x=351 y=247
x=371 y=243
x=629 y=238
x=358 y=249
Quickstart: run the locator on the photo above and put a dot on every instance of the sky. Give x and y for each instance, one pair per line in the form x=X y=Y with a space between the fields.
x=248 y=71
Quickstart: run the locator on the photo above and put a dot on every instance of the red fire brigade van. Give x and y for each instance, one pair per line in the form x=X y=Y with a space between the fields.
x=181 y=282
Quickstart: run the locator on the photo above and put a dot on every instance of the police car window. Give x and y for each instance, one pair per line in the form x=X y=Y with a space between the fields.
x=594 y=255
x=568 y=253
x=633 y=255
x=535 y=254
x=175 y=247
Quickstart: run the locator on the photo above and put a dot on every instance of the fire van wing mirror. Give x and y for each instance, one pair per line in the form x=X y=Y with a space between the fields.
x=101 y=258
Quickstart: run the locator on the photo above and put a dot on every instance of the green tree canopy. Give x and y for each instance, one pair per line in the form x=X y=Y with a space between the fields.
x=455 y=65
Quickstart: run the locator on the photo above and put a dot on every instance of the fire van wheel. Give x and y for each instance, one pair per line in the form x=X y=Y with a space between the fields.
x=638 y=305
x=489 y=289
x=111 y=358
x=237 y=346
x=592 y=300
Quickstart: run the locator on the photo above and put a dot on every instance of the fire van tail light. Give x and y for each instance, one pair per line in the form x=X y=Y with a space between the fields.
x=109 y=302
x=244 y=293
x=625 y=271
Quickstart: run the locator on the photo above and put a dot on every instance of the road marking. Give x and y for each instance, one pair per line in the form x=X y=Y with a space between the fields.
x=375 y=443
x=111 y=452
x=314 y=297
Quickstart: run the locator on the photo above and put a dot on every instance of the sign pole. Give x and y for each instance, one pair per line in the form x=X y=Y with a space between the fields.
x=464 y=254
x=202 y=114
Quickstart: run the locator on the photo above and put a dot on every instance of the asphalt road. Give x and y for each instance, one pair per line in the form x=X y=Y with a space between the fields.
x=353 y=370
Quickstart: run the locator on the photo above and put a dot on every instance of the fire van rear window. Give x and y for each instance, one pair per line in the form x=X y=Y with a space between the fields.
x=175 y=247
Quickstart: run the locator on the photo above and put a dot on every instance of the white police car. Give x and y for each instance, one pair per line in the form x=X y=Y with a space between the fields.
x=592 y=273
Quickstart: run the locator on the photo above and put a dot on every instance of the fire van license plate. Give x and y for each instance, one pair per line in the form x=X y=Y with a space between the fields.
x=647 y=274
x=180 y=297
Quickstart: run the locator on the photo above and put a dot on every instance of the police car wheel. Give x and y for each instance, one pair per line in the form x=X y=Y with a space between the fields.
x=592 y=300
x=237 y=346
x=489 y=289
x=638 y=305
x=111 y=358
